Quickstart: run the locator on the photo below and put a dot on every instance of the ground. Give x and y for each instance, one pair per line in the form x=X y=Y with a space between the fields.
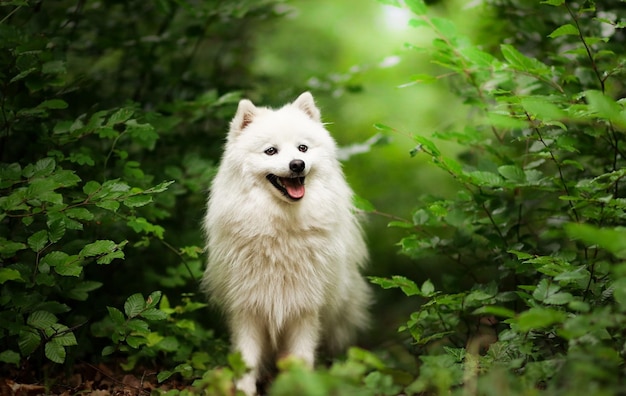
x=85 y=378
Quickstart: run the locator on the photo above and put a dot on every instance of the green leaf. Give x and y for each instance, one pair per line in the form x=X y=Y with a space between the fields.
x=112 y=206
x=138 y=326
x=10 y=357
x=143 y=134
x=81 y=291
x=488 y=179
x=538 y=318
x=153 y=299
x=140 y=224
x=417 y=6
x=520 y=61
x=381 y=384
x=62 y=335
x=619 y=292
x=560 y=298
x=55 y=351
x=606 y=107
x=38 y=240
x=120 y=116
x=53 y=104
x=136 y=341
x=153 y=314
x=54 y=259
x=572 y=276
x=117 y=316
x=41 y=319
x=163 y=375
x=65 y=265
x=406 y=285
x=613 y=240
x=10 y=174
x=567 y=29
x=394 y=3
x=513 y=173
x=363 y=204
x=444 y=27
x=109 y=257
x=108 y=350
x=9 y=248
x=542 y=109
x=54 y=67
x=478 y=57
x=159 y=188
x=28 y=341
x=237 y=364
x=97 y=248
x=91 y=187
x=65 y=178
x=79 y=214
x=136 y=201
x=134 y=305
x=41 y=168
x=428 y=289
x=418 y=23
x=56 y=230
x=427 y=145
x=9 y=274
x=81 y=159
x=545 y=289
x=506 y=121
x=495 y=310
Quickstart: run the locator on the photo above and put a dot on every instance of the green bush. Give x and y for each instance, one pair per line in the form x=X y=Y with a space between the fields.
x=536 y=235
x=112 y=115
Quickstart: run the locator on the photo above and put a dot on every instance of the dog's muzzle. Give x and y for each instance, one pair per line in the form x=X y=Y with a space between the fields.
x=291 y=186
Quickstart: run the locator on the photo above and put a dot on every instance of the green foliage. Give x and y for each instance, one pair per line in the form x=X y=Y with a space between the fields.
x=109 y=131
x=535 y=236
x=150 y=328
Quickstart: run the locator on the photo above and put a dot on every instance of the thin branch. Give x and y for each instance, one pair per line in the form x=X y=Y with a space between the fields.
x=558 y=165
x=594 y=66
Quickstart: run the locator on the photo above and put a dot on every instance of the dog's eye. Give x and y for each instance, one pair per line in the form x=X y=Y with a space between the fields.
x=303 y=148
x=271 y=151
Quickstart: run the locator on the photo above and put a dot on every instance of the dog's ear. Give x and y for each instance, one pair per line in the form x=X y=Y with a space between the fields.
x=306 y=103
x=246 y=111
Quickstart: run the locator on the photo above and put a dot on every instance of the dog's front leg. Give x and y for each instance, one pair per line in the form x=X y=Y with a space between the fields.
x=247 y=338
x=302 y=336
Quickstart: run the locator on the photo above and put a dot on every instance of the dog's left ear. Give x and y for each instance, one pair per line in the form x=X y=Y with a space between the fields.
x=306 y=103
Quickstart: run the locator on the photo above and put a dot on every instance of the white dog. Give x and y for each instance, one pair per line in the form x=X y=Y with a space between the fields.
x=285 y=246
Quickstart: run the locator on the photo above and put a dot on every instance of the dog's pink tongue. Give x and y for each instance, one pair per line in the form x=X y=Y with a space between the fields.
x=294 y=187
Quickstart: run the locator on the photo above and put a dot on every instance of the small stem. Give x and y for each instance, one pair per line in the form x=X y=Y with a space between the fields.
x=180 y=256
x=558 y=166
x=10 y=14
x=594 y=66
x=506 y=244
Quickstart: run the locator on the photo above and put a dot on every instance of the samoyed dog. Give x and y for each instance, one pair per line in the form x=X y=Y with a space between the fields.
x=284 y=244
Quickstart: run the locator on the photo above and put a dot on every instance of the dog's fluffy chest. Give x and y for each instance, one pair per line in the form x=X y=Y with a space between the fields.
x=286 y=271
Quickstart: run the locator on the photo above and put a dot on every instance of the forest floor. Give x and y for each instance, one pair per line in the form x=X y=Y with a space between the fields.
x=86 y=379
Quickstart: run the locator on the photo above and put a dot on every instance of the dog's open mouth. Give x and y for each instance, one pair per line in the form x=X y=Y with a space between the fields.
x=292 y=187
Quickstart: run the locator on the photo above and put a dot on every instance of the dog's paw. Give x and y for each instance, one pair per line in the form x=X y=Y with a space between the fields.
x=247 y=384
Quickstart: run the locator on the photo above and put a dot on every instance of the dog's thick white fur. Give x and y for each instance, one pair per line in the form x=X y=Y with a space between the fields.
x=285 y=247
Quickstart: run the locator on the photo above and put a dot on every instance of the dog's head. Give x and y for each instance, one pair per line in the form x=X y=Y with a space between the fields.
x=286 y=148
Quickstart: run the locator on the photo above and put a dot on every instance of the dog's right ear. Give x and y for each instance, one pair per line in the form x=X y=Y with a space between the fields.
x=246 y=111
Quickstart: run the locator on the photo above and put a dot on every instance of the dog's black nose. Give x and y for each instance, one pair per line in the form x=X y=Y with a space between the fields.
x=296 y=165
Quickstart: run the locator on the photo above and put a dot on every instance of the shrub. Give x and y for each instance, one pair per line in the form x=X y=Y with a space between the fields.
x=109 y=127
x=535 y=236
